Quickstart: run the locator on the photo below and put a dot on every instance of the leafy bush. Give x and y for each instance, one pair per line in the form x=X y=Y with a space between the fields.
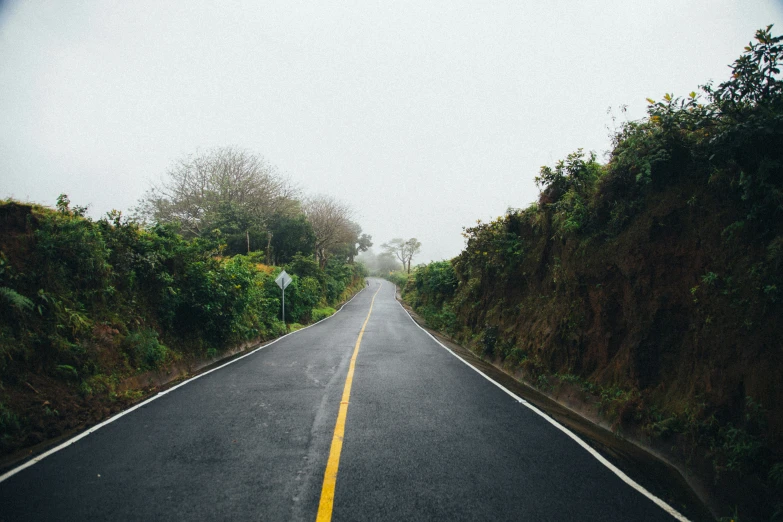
x=339 y=277
x=145 y=348
x=161 y=291
x=567 y=190
x=306 y=266
x=302 y=295
x=399 y=278
x=322 y=313
x=86 y=304
x=435 y=282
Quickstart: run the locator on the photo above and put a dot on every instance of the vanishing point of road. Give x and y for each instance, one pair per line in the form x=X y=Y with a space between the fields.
x=362 y=416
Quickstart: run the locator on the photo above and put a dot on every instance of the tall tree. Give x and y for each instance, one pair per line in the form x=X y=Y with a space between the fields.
x=403 y=249
x=352 y=243
x=331 y=222
x=223 y=187
x=362 y=244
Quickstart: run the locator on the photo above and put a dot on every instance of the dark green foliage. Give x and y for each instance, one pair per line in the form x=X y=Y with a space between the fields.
x=291 y=236
x=237 y=228
x=306 y=266
x=441 y=318
x=338 y=278
x=748 y=131
x=15 y=299
x=322 y=313
x=436 y=279
x=567 y=190
x=86 y=273
x=64 y=207
x=313 y=287
x=302 y=296
x=359 y=271
x=88 y=303
x=430 y=290
x=10 y=426
x=755 y=81
x=490 y=340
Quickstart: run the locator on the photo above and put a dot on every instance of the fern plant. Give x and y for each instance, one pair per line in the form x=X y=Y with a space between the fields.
x=16 y=299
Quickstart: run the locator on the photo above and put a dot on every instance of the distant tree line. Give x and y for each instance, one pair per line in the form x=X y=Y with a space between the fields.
x=403 y=250
x=397 y=256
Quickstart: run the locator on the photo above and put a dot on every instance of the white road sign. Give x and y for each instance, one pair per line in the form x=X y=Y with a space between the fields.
x=283 y=280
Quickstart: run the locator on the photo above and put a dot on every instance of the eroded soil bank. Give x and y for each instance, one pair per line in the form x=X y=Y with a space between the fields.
x=650 y=465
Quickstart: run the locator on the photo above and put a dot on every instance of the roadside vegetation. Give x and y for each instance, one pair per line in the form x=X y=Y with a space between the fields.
x=88 y=307
x=650 y=284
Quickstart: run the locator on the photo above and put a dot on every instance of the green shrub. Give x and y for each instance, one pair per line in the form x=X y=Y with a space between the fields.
x=399 y=278
x=306 y=266
x=301 y=296
x=339 y=277
x=145 y=349
x=435 y=282
x=567 y=191
x=322 y=313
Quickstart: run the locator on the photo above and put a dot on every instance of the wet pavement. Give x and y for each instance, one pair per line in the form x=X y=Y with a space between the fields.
x=426 y=438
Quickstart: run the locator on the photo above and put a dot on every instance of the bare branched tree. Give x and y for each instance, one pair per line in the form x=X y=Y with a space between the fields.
x=197 y=188
x=331 y=222
x=403 y=249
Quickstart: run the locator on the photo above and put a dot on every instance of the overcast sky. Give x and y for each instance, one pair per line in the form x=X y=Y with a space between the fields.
x=425 y=116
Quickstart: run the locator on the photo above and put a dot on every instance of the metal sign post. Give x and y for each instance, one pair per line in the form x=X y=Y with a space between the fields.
x=283 y=280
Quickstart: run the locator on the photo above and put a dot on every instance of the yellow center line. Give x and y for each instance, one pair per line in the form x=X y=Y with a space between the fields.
x=330 y=477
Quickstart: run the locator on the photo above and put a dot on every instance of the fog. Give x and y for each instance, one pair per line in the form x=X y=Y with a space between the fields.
x=423 y=116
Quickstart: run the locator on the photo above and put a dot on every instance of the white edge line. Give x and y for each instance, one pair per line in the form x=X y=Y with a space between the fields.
x=39 y=458
x=614 y=469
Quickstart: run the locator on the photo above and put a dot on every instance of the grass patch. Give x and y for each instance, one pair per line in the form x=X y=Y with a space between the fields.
x=322 y=313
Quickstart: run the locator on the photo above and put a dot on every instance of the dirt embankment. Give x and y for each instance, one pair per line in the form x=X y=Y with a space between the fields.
x=668 y=332
x=54 y=410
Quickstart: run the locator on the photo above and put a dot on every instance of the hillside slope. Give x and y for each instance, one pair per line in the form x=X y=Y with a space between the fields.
x=653 y=284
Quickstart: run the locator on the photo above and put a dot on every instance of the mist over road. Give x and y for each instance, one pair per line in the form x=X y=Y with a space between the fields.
x=426 y=438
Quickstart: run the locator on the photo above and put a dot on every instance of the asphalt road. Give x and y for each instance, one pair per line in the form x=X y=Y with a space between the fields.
x=426 y=438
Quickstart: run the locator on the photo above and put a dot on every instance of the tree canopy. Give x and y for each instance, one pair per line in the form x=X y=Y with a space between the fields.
x=335 y=233
x=228 y=189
